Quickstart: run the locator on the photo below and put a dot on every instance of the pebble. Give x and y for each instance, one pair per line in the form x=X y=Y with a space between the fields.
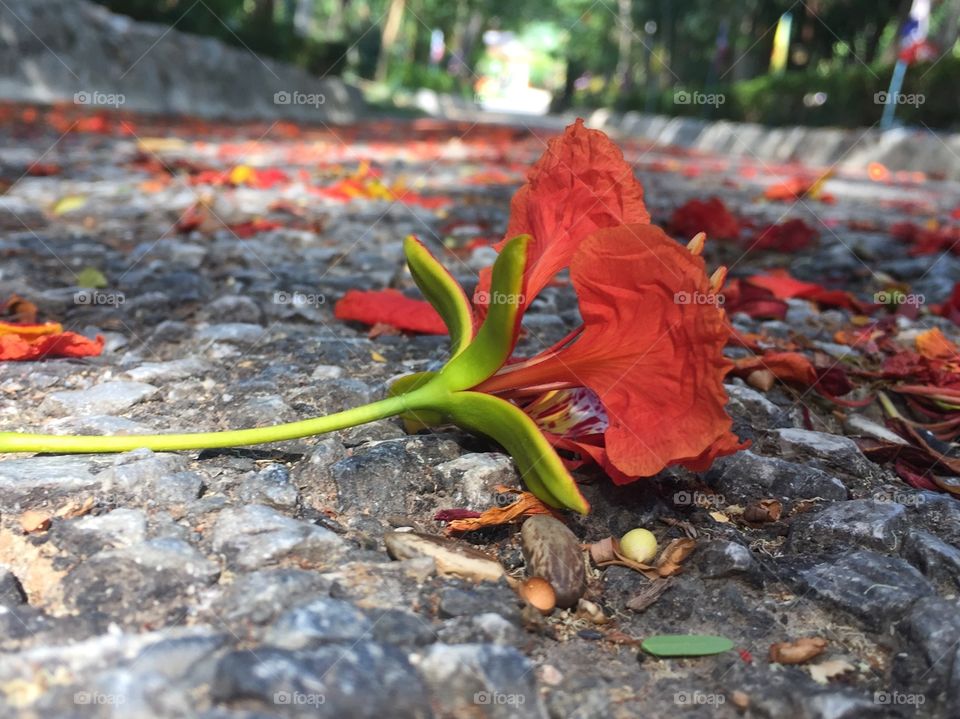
x=11 y=590
x=486 y=679
x=187 y=367
x=238 y=333
x=719 y=558
x=101 y=424
x=38 y=479
x=875 y=588
x=860 y=522
x=362 y=680
x=746 y=476
x=137 y=582
x=271 y=486
x=553 y=552
x=938 y=560
x=470 y=481
x=321 y=621
x=256 y=536
x=141 y=472
x=105 y=398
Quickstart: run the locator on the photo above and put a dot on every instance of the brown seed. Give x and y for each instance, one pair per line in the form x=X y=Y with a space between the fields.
x=741 y=700
x=761 y=379
x=34 y=520
x=797 y=652
x=764 y=510
x=538 y=593
x=553 y=552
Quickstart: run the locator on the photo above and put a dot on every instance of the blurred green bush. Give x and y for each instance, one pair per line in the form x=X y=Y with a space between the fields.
x=847 y=97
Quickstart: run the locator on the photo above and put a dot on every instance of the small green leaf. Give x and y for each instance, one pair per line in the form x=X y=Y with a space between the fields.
x=540 y=467
x=686 y=645
x=497 y=335
x=443 y=292
x=91 y=278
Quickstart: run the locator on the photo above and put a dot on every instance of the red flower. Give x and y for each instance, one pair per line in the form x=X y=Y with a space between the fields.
x=650 y=351
x=789 y=236
x=710 y=216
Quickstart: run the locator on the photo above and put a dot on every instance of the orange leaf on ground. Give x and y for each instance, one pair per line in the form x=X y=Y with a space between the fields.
x=933 y=344
x=390 y=307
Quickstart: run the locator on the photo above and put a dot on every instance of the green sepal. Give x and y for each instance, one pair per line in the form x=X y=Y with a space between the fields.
x=442 y=291
x=494 y=341
x=540 y=467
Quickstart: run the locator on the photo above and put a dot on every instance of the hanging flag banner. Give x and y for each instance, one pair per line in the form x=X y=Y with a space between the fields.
x=914 y=45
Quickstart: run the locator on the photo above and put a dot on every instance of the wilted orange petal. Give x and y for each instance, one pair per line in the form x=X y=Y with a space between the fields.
x=526 y=505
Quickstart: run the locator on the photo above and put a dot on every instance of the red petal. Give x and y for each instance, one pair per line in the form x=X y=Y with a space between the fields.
x=390 y=307
x=710 y=216
x=785 y=287
x=63 y=344
x=580 y=184
x=651 y=349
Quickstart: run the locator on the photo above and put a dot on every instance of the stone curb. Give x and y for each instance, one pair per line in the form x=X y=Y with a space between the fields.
x=901 y=149
x=76 y=51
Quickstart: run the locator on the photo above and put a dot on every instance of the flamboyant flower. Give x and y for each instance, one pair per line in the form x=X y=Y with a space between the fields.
x=638 y=387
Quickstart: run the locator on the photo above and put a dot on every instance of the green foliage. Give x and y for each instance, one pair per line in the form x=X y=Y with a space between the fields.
x=850 y=97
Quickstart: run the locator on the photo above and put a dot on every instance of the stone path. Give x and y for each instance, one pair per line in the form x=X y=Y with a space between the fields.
x=256 y=582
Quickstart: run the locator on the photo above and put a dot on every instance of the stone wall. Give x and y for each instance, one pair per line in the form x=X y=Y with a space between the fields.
x=899 y=149
x=76 y=51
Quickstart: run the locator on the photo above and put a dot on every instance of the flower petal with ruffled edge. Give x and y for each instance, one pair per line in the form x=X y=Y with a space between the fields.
x=651 y=350
x=581 y=184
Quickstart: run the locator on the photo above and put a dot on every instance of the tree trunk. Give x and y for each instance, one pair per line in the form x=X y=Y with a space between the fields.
x=388 y=37
x=624 y=71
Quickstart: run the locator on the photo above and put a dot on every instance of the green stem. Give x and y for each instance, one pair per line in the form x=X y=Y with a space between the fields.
x=18 y=442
